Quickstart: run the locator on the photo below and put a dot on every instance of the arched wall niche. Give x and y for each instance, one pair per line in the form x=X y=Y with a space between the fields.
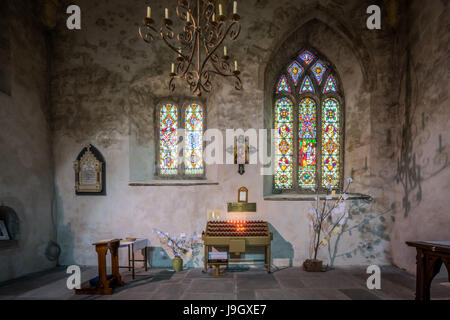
x=12 y=222
x=350 y=65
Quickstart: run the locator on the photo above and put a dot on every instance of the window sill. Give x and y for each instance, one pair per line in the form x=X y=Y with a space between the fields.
x=173 y=183
x=311 y=197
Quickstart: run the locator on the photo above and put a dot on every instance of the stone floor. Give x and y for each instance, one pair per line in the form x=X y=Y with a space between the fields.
x=344 y=283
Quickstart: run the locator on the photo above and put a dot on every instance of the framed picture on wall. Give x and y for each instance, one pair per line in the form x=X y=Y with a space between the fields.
x=89 y=172
x=243 y=194
x=3 y=232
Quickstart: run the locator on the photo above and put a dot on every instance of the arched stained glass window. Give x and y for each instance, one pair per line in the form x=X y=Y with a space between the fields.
x=307 y=143
x=330 y=86
x=318 y=70
x=283 y=143
x=168 y=136
x=308 y=110
x=171 y=118
x=295 y=71
x=307 y=85
x=193 y=148
x=330 y=142
x=283 y=86
x=306 y=57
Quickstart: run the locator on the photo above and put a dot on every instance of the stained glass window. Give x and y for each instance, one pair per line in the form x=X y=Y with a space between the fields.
x=318 y=70
x=312 y=113
x=330 y=142
x=283 y=85
x=330 y=85
x=193 y=122
x=295 y=71
x=193 y=148
x=307 y=143
x=307 y=57
x=307 y=85
x=283 y=143
x=168 y=149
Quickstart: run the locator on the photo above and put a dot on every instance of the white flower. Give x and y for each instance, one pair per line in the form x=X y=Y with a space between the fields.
x=339 y=210
x=329 y=197
x=316 y=198
x=349 y=180
x=345 y=196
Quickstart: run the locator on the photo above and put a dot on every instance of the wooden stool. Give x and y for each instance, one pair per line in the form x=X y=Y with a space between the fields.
x=104 y=285
x=217 y=265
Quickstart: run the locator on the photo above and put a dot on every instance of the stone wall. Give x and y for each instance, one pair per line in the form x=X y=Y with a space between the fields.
x=107 y=83
x=423 y=174
x=26 y=164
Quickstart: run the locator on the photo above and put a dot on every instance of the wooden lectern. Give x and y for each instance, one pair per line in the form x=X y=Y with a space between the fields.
x=104 y=285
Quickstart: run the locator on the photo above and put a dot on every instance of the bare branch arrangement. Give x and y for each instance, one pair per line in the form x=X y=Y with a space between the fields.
x=326 y=217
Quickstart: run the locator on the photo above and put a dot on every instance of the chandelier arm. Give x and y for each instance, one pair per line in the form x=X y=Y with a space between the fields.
x=168 y=43
x=235 y=34
x=191 y=56
x=208 y=9
x=180 y=14
x=148 y=36
x=220 y=69
x=209 y=53
x=186 y=37
x=199 y=31
x=237 y=83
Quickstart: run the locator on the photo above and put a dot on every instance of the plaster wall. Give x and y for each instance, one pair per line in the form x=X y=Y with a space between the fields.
x=26 y=175
x=423 y=173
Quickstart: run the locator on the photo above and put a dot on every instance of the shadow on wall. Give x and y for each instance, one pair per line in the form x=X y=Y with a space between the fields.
x=65 y=236
x=159 y=258
x=281 y=249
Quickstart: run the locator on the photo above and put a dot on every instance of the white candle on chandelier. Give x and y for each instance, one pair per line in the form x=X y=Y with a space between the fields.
x=235 y=65
x=225 y=51
x=214 y=17
x=149 y=12
x=188 y=16
x=173 y=68
x=235 y=7
x=179 y=51
x=220 y=9
x=166 y=13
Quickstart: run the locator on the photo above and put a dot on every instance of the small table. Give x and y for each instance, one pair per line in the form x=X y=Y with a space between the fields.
x=133 y=246
x=430 y=257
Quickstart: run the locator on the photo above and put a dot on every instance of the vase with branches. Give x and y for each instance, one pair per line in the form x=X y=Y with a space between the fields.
x=326 y=217
x=180 y=247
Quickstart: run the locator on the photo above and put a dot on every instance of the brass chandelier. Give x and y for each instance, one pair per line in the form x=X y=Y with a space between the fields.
x=197 y=45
